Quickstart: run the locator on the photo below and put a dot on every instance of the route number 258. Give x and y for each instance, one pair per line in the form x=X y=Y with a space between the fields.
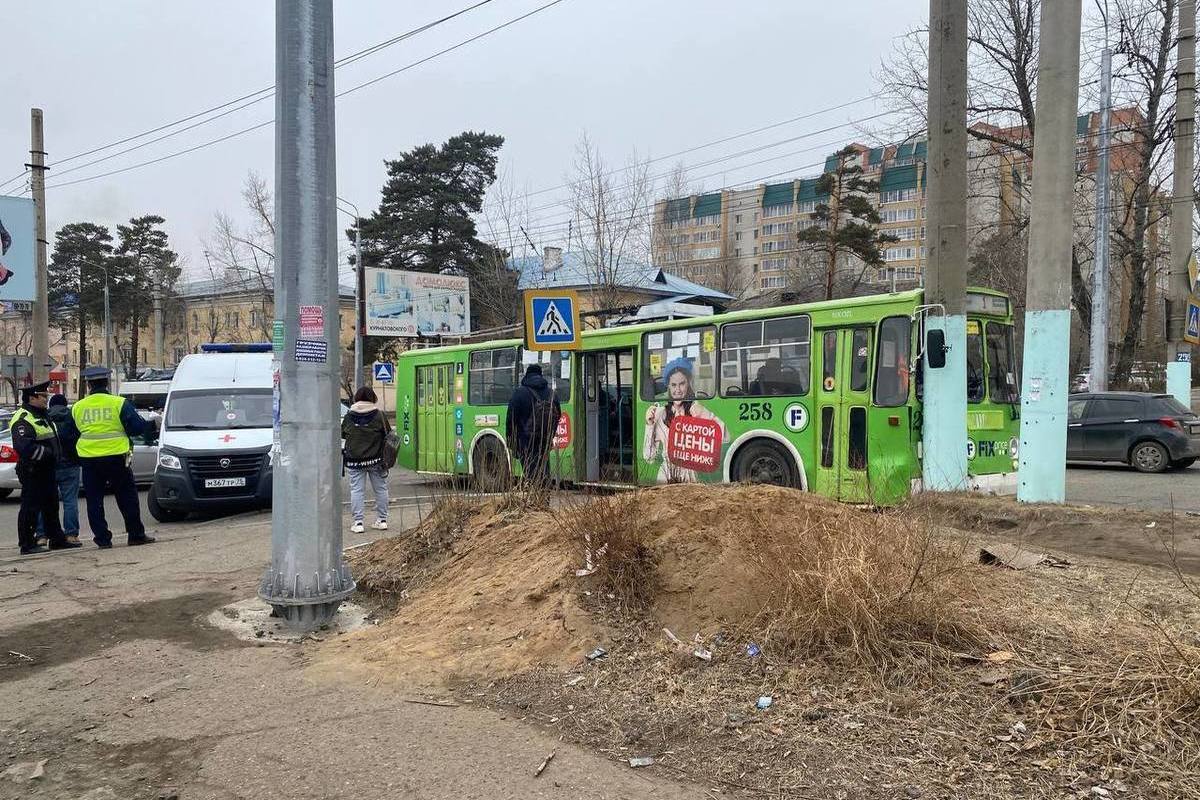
x=754 y=411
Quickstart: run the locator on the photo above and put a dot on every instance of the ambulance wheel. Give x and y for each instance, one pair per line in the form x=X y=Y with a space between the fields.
x=764 y=462
x=162 y=514
x=492 y=473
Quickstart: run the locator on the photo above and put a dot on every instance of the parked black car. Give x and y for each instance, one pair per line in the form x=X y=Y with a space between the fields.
x=1150 y=432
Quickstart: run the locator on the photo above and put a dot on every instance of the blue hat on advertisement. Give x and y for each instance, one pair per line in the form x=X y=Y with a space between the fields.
x=97 y=374
x=681 y=363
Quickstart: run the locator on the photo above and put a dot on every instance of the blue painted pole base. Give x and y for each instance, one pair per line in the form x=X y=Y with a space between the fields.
x=1179 y=380
x=944 y=419
x=1042 y=468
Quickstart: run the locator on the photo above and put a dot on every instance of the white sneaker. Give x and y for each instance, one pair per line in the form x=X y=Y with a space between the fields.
x=357 y=527
x=380 y=525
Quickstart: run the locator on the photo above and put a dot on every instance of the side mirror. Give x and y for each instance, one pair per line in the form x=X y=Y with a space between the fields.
x=935 y=348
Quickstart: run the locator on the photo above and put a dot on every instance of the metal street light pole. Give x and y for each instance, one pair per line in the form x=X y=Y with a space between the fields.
x=307 y=578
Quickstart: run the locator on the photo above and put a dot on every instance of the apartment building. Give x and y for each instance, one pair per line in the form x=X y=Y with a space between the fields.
x=743 y=241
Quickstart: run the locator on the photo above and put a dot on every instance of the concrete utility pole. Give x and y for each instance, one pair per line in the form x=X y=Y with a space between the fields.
x=161 y=359
x=1099 y=337
x=1042 y=473
x=307 y=578
x=41 y=307
x=1179 y=351
x=944 y=430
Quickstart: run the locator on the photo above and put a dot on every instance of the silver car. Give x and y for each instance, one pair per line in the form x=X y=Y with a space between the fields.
x=145 y=456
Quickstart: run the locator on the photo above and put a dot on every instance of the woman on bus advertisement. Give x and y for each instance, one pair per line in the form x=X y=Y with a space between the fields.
x=685 y=435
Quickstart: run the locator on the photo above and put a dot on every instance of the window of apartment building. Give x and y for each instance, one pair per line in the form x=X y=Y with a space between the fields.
x=773 y=282
x=195 y=322
x=781 y=210
x=737 y=252
x=144 y=358
x=898 y=195
x=898 y=215
x=805 y=224
x=806 y=206
x=899 y=253
x=254 y=318
x=738 y=219
x=737 y=236
x=756 y=233
x=776 y=228
x=774 y=264
x=707 y=236
x=709 y=219
x=707 y=252
x=776 y=247
x=756 y=216
x=74 y=356
x=904 y=234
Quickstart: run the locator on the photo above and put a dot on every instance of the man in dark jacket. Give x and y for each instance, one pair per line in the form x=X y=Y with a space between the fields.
x=66 y=472
x=37 y=446
x=533 y=414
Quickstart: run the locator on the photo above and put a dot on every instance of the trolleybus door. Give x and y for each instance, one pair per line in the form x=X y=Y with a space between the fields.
x=608 y=398
x=435 y=424
x=843 y=389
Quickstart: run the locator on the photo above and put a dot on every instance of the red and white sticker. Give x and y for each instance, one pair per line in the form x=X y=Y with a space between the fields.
x=694 y=443
x=562 y=434
x=312 y=322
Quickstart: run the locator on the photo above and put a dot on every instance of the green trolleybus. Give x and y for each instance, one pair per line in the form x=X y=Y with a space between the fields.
x=824 y=397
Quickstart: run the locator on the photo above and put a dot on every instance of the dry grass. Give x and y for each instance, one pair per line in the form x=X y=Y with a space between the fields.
x=869 y=590
x=613 y=533
x=389 y=568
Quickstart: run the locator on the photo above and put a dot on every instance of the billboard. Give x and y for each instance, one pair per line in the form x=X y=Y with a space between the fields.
x=403 y=303
x=17 y=235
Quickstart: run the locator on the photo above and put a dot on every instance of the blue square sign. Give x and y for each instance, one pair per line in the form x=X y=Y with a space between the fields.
x=384 y=372
x=551 y=319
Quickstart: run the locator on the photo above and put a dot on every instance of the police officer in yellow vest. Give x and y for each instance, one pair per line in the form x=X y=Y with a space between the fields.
x=37 y=446
x=105 y=423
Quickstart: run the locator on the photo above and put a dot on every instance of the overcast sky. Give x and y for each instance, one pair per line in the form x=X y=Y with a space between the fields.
x=658 y=75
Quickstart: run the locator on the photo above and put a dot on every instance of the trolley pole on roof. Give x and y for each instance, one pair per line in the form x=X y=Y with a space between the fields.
x=944 y=427
x=1042 y=471
x=307 y=578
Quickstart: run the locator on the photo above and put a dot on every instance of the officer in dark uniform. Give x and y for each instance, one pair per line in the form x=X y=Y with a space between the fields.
x=105 y=423
x=37 y=446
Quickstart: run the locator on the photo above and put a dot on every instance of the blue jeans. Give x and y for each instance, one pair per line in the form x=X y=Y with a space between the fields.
x=67 y=478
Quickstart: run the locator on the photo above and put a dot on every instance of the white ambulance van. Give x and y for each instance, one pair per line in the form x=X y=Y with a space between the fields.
x=217 y=428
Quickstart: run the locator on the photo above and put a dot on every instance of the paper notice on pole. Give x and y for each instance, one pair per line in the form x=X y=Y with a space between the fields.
x=312 y=322
x=529 y=357
x=312 y=351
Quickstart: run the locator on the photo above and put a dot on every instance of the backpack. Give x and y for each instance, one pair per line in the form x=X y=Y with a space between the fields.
x=391 y=449
x=543 y=422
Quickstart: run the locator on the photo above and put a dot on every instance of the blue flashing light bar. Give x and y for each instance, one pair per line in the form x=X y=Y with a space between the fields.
x=214 y=347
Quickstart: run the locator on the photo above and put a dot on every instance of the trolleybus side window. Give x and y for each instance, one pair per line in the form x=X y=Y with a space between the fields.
x=555 y=369
x=1002 y=378
x=860 y=360
x=766 y=357
x=689 y=351
x=892 y=363
x=493 y=376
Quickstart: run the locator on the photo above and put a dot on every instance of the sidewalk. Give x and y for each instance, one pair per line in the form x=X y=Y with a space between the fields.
x=128 y=695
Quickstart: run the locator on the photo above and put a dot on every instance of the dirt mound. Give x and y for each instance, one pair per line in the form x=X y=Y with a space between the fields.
x=484 y=589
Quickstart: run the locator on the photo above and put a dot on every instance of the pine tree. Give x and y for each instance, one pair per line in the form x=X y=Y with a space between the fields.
x=425 y=217
x=82 y=252
x=147 y=267
x=848 y=222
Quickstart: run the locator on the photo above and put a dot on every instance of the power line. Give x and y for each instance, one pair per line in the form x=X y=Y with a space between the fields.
x=265 y=93
x=339 y=94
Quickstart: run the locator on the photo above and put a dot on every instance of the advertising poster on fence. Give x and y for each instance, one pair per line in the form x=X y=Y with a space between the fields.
x=16 y=249
x=403 y=303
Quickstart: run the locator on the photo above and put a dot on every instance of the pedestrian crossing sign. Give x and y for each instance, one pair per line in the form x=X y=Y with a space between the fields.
x=383 y=372
x=551 y=320
x=1192 y=332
